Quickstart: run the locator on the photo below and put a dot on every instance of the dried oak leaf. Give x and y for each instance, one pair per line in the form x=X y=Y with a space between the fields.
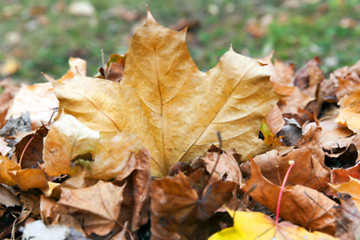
x=98 y=206
x=179 y=208
x=300 y=205
x=256 y=225
x=175 y=108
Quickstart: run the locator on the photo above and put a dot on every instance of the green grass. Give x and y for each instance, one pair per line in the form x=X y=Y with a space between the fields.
x=48 y=36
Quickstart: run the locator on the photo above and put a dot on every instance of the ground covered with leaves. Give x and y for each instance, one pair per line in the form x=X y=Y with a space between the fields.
x=154 y=148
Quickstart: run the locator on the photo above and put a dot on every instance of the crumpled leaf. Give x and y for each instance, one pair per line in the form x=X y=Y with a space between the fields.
x=179 y=207
x=98 y=206
x=348 y=226
x=38 y=99
x=173 y=106
x=343 y=175
x=294 y=198
x=256 y=225
x=8 y=198
x=226 y=168
x=29 y=149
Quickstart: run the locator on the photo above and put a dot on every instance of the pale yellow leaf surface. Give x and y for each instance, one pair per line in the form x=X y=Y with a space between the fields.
x=256 y=225
x=349 y=113
x=170 y=104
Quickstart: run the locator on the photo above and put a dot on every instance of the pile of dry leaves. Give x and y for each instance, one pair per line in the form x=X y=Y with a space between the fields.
x=154 y=147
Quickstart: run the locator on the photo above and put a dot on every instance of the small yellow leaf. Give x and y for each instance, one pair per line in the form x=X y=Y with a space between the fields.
x=256 y=225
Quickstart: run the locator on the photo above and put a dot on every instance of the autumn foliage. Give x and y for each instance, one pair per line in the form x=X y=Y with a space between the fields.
x=152 y=146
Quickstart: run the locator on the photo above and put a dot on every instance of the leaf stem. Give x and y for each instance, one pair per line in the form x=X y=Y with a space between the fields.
x=291 y=163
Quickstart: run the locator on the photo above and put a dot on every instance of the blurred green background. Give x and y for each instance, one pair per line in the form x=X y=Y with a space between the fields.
x=39 y=36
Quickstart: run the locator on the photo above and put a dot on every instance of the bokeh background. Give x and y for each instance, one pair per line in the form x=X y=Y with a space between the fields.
x=40 y=35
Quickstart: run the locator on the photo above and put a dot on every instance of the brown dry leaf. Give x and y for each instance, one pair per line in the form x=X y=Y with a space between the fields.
x=38 y=99
x=275 y=120
x=307 y=171
x=349 y=111
x=351 y=187
x=313 y=209
x=226 y=168
x=309 y=76
x=173 y=106
x=348 y=226
x=180 y=209
x=8 y=198
x=348 y=79
x=31 y=157
x=136 y=204
x=5 y=166
x=343 y=175
x=98 y=206
x=291 y=104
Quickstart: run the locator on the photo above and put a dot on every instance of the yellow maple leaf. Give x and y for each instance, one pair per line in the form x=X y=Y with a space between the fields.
x=170 y=104
x=256 y=225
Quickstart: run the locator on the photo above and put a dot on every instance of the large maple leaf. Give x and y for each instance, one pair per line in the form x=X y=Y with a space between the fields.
x=175 y=108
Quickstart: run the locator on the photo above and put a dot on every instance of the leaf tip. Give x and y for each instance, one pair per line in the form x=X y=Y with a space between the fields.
x=50 y=79
x=149 y=16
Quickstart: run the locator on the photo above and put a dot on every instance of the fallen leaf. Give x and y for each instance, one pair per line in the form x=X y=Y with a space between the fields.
x=173 y=106
x=256 y=225
x=343 y=175
x=309 y=76
x=351 y=187
x=101 y=202
x=38 y=99
x=5 y=166
x=30 y=178
x=275 y=120
x=29 y=149
x=9 y=90
x=178 y=208
x=111 y=157
x=316 y=209
x=349 y=111
x=348 y=224
x=307 y=171
x=226 y=166
x=7 y=197
x=67 y=139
